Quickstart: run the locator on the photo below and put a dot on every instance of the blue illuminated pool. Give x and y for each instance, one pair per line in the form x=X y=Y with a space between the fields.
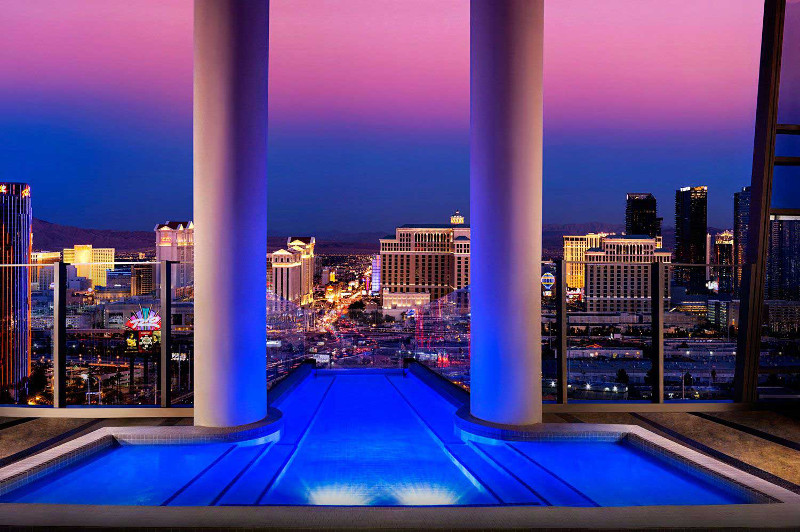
x=377 y=438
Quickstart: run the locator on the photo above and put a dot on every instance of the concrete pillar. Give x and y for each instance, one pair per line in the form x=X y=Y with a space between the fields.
x=506 y=38
x=230 y=211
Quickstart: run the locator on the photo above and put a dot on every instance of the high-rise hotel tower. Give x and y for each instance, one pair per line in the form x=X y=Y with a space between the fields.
x=175 y=242
x=691 y=229
x=741 y=227
x=16 y=242
x=641 y=216
x=290 y=271
x=618 y=273
x=423 y=262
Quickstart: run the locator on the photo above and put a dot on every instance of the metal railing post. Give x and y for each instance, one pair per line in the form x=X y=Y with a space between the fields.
x=561 y=330
x=751 y=312
x=748 y=345
x=657 y=295
x=165 y=365
x=60 y=335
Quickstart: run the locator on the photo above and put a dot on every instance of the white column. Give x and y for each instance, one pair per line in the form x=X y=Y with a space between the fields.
x=506 y=38
x=230 y=211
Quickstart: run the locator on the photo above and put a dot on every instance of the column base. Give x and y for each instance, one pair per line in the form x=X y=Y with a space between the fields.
x=471 y=428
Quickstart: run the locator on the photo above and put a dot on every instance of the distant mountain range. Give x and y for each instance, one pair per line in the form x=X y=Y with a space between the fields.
x=53 y=237
x=48 y=236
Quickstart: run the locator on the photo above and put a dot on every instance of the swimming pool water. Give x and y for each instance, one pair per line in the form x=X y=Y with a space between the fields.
x=378 y=438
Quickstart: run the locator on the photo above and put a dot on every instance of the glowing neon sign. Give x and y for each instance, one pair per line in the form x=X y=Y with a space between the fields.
x=548 y=280
x=144 y=319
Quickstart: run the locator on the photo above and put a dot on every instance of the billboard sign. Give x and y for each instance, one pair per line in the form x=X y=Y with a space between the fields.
x=144 y=319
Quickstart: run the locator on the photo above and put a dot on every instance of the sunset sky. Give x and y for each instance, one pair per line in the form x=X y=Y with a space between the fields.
x=369 y=108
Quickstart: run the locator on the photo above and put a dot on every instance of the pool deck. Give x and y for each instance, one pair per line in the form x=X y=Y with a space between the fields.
x=764 y=443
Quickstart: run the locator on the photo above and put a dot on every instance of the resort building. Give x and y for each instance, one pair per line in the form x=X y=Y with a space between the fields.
x=618 y=274
x=175 y=242
x=575 y=247
x=90 y=262
x=290 y=271
x=430 y=259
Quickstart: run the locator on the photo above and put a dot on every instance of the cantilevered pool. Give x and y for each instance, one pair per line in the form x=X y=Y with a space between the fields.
x=385 y=438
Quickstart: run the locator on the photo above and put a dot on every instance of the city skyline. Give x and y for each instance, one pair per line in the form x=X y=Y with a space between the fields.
x=380 y=140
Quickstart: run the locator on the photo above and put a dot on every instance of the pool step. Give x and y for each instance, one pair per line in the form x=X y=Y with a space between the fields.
x=249 y=488
x=203 y=490
x=502 y=485
x=551 y=489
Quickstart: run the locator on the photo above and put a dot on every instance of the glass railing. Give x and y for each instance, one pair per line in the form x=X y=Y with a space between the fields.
x=609 y=331
x=26 y=334
x=288 y=328
x=351 y=330
x=550 y=378
x=113 y=340
x=441 y=336
x=113 y=348
x=182 y=329
x=700 y=332
x=779 y=360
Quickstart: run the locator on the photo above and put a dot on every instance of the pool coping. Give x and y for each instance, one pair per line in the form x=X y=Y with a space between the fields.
x=29 y=469
x=756 y=490
x=747 y=516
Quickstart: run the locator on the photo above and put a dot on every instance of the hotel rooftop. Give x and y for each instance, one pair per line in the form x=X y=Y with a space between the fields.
x=487 y=423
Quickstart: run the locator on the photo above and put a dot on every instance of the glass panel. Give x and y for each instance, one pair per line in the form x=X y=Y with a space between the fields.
x=182 y=359
x=441 y=336
x=780 y=340
x=789 y=99
x=40 y=383
x=700 y=329
x=113 y=334
x=549 y=340
x=287 y=326
x=787 y=145
x=26 y=332
x=786 y=187
x=609 y=331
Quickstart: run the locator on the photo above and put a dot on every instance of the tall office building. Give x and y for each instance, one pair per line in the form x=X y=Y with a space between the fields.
x=575 y=247
x=691 y=229
x=641 y=217
x=90 y=262
x=723 y=255
x=290 y=271
x=741 y=228
x=175 y=242
x=620 y=281
x=16 y=241
x=423 y=262
x=783 y=259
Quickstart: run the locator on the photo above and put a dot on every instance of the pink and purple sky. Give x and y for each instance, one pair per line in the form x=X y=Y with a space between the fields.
x=369 y=108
